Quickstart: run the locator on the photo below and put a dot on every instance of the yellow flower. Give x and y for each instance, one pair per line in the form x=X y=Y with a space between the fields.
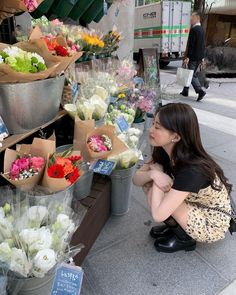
x=121 y=95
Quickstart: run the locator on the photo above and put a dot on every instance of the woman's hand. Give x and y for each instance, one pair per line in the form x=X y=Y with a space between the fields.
x=147 y=186
x=162 y=180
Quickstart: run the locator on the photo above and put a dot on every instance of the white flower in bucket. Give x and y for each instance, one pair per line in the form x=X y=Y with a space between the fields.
x=37 y=214
x=19 y=262
x=44 y=261
x=36 y=239
x=5 y=252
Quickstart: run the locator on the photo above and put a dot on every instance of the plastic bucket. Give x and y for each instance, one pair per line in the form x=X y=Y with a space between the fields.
x=121 y=190
x=25 y=106
x=31 y=286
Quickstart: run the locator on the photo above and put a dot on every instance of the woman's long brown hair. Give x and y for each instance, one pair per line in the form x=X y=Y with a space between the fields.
x=181 y=119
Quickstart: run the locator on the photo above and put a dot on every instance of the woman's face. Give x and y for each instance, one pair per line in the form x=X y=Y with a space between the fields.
x=159 y=136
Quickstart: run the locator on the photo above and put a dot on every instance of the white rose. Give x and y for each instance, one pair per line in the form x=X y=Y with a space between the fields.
x=37 y=214
x=66 y=225
x=43 y=262
x=5 y=252
x=36 y=239
x=19 y=262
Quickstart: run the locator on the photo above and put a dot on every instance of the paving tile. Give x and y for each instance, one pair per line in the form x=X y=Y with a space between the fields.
x=120 y=227
x=212 y=138
x=229 y=290
x=226 y=151
x=221 y=255
x=133 y=267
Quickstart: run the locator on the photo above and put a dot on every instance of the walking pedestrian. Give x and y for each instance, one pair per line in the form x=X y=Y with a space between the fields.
x=195 y=53
x=180 y=180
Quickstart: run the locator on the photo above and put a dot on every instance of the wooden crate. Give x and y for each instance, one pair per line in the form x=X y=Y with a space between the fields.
x=98 y=204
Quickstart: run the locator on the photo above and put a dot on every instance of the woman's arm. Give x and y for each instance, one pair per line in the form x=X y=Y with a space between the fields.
x=163 y=205
x=142 y=176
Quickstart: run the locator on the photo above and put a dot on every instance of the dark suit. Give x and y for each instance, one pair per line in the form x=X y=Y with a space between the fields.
x=195 y=53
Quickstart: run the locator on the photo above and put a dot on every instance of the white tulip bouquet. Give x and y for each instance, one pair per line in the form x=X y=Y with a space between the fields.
x=35 y=234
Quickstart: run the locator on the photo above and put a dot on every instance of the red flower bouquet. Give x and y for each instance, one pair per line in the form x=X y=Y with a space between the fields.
x=62 y=170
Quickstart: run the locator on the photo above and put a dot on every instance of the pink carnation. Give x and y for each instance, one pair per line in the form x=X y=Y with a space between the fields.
x=37 y=163
x=23 y=163
x=14 y=171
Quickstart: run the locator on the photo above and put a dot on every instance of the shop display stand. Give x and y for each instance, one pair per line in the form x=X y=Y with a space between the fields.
x=97 y=204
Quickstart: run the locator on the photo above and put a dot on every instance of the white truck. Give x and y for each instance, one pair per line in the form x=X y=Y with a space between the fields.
x=163 y=25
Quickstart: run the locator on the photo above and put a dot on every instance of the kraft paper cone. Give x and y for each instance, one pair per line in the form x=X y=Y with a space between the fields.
x=10 y=7
x=56 y=65
x=85 y=129
x=57 y=184
x=26 y=184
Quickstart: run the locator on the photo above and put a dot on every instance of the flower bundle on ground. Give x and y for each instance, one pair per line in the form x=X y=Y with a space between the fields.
x=22 y=61
x=34 y=238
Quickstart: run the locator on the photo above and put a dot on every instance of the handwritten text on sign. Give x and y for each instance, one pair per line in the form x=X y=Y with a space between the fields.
x=68 y=280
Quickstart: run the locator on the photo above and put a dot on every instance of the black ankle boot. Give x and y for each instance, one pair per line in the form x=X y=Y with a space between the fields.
x=185 y=91
x=161 y=232
x=180 y=241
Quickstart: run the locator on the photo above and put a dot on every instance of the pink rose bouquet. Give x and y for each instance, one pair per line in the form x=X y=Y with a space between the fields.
x=25 y=167
x=100 y=143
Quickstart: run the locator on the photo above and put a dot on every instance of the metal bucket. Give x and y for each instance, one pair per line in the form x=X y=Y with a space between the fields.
x=31 y=286
x=148 y=121
x=121 y=190
x=83 y=186
x=25 y=106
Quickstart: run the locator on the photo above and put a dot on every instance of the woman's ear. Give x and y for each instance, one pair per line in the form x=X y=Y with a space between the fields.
x=176 y=138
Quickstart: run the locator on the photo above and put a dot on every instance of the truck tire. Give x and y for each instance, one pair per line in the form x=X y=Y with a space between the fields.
x=163 y=64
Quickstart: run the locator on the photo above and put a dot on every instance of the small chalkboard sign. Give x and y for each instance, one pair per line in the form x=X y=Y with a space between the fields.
x=122 y=124
x=68 y=280
x=103 y=167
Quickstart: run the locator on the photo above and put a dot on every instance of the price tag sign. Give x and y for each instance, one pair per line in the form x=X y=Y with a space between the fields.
x=122 y=124
x=103 y=167
x=68 y=280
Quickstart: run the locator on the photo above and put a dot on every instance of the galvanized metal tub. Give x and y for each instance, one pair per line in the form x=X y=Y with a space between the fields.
x=25 y=106
x=121 y=181
x=31 y=286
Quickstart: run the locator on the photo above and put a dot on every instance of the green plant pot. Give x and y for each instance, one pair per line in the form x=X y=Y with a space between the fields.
x=79 y=9
x=42 y=9
x=62 y=8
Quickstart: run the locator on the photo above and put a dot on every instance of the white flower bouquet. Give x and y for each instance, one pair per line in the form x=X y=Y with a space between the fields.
x=34 y=235
x=94 y=107
x=126 y=159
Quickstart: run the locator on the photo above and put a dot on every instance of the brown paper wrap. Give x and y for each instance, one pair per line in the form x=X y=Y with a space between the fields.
x=85 y=129
x=57 y=184
x=56 y=65
x=10 y=7
x=26 y=184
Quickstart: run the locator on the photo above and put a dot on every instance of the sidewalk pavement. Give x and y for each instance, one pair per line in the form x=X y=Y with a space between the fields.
x=123 y=260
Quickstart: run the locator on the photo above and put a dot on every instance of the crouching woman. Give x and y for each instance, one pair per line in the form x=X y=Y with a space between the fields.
x=183 y=184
